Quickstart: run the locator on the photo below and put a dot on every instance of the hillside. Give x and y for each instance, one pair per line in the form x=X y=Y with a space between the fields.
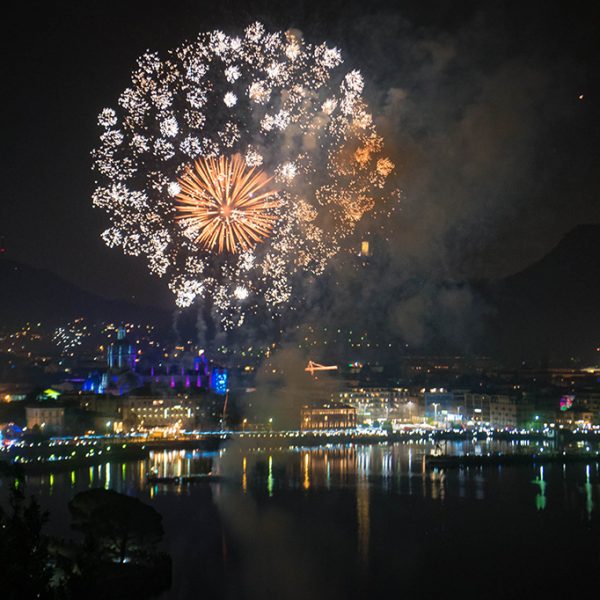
x=30 y=294
x=551 y=308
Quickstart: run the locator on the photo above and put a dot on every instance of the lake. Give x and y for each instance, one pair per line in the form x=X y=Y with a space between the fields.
x=359 y=521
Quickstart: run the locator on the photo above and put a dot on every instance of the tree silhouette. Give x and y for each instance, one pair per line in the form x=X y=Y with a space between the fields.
x=25 y=567
x=116 y=527
x=117 y=560
x=119 y=556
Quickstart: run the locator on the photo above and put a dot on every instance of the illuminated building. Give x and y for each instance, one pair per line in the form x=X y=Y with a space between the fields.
x=151 y=412
x=503 y=412
x=119 y=377
x=49 y=418
x=14 y=392
x=121 y=354
x=180 y=369
x=376 y=403
x=588 y=400
x=328 y=416
x=498 y=410
x=477 y=407
x=571 y=419
x=440 y=405
x=218 y=380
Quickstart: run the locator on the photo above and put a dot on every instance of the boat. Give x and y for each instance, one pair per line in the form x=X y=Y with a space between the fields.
x=499 y=459
x=184 y=479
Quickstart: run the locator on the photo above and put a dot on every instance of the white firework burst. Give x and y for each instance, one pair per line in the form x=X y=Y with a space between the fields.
x=291 y=111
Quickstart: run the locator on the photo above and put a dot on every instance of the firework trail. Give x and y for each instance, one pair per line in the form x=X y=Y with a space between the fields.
x=236 y=164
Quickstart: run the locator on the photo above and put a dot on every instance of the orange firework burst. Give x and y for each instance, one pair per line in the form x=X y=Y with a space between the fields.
x=224 y=204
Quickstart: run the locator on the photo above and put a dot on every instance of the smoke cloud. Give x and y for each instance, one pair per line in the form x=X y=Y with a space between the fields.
x=478 y=114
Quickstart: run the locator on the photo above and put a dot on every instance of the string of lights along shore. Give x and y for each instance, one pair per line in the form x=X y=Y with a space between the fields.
x=236 y=164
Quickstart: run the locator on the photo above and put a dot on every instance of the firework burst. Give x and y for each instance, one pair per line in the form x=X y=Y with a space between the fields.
x=222 y=206
x=187 y=157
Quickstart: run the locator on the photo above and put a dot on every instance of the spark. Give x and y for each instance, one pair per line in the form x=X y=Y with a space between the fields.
x=232 y=74
x=240 y=292
x=287 y=171
x=107 y=118
x=230 y=99
x=174 y=188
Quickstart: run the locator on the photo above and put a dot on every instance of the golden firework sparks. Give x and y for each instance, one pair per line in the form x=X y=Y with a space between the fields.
x=224 y=204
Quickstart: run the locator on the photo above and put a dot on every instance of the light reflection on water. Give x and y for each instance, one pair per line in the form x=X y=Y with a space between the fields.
x=398 y=468
x=351 y=515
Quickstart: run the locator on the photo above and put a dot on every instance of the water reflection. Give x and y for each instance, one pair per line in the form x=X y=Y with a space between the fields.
x=589 y=503
x=363 y=519
x=399 y=468
x=244 y=474
x=540 y=499
x=306 y=469
x=350 y=515
x=270 y=477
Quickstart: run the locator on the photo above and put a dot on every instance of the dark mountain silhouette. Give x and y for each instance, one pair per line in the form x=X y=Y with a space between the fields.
x=551 y=308
x=31 y=294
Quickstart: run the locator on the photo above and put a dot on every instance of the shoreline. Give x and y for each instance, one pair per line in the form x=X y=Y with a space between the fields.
x=65 y=454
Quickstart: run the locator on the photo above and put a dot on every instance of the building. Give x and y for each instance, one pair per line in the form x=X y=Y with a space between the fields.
x=103 y=404
x=588 y=400
x=328 y=416
x=499 y=410
x=440 y=405
x=503 y=412
x=103 y=411
x=120 y=354
x=49 y=418
x=377 y=403
x=152 y=412
x=477 y=407
x=14 y=392
x=181 y=370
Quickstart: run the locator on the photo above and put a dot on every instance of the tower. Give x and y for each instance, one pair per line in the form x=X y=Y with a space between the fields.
x=121 y=353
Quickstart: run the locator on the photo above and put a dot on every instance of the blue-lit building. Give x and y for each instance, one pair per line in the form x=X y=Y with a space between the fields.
x=121 y=353
x=219 y=379
x=180 y=370
x=119 y=377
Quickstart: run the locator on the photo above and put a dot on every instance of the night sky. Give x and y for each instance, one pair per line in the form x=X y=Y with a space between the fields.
x=490 y=114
